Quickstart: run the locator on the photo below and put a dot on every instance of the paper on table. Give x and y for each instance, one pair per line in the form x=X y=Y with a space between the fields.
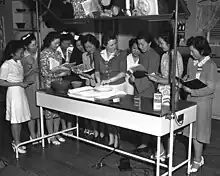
x=89 y=93
x=53 y=63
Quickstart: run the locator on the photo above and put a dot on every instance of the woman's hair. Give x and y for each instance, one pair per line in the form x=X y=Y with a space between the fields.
x=91 y=39
x=51 y=36
x=168 y=38
x=132 y=42
x=11 y=48
x=145 y=35
x=201 y=44
x=107 y=37
x=66 y=37
x=28 y=38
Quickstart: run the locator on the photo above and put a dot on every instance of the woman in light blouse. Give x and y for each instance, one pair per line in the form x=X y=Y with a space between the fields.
x=110 y=68
x=166 y=43
x=132 y=61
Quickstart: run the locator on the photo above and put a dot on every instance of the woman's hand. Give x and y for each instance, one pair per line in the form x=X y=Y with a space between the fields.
x=104 y=82
x=186 y=89
x=131 y=78
x=153 y=78
x=23 y=84
x=63 y=74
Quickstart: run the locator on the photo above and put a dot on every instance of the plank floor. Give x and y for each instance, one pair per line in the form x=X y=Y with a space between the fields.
x=77 y=158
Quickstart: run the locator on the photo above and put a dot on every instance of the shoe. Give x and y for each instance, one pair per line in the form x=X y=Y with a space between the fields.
x=20 y=149
x=23 y=147
x=111 y=139
x=142 y=146
x=162 y=156
x=3 y=164
x=199 y=164
x=61 y=139
x=34 y=143
x=117 y=141
x=53 y=140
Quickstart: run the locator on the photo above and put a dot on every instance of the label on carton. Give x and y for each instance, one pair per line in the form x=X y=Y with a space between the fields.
x=157 y=103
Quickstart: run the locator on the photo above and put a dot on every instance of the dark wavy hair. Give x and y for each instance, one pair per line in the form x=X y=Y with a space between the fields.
x=201 y=44
x=145 y=35
x=107 y=37
x=51 y=36
x=11 y=48
x=66 y=37
x=28 y=38
x=91 y=39
x=132 y=42
x=168 y=38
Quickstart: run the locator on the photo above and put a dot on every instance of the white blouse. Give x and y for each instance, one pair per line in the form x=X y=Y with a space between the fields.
x=12 y=71
x=131 y=62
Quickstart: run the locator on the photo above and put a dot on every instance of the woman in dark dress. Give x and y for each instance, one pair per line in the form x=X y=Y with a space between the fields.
x=110 y=68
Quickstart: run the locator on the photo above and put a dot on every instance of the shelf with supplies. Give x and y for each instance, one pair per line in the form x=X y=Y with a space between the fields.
x=25 y=29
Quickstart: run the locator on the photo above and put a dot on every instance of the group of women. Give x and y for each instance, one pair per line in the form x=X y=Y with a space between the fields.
x=19 y=72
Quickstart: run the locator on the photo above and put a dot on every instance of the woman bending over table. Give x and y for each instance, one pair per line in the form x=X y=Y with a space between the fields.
x=202 y=67
x=110 y=68
x=91 y=45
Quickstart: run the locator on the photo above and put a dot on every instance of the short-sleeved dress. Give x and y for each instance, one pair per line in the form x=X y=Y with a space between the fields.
x=207 y=73
x=165 y=72
x=112 y=67
x=17 y=108
x=30 y=66
x=47 y=75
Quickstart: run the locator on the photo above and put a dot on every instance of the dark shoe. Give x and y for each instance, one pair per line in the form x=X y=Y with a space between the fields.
x=102 y=140
x=3 y=164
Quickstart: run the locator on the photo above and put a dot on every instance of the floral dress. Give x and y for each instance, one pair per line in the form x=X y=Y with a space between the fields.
x=47 y=75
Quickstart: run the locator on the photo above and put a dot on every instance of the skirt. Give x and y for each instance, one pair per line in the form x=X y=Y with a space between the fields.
x=17 y=108
x=202 y=125
x=31 y=97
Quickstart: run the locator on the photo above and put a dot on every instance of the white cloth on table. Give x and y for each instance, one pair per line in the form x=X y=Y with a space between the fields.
x=17 y=108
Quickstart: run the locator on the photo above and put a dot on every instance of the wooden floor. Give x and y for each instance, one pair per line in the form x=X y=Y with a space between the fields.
x=77 y=159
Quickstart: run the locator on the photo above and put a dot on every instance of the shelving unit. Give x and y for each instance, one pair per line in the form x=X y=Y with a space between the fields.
x=27 y=17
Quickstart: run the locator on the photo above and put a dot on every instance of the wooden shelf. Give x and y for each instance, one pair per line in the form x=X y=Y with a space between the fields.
x=162 y=17
x=25 y=29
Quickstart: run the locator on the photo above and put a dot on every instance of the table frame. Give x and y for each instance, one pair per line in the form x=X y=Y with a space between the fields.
x=45 y=100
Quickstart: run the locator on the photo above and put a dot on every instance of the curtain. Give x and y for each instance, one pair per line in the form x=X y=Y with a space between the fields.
x=208 y=14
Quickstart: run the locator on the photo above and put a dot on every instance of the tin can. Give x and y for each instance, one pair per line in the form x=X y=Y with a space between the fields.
x=157 y=102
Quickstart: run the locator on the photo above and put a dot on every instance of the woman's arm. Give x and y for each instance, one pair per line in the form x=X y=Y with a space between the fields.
x=97 y=58
x=211 y=83
x=27 y=66
x=5 y=83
